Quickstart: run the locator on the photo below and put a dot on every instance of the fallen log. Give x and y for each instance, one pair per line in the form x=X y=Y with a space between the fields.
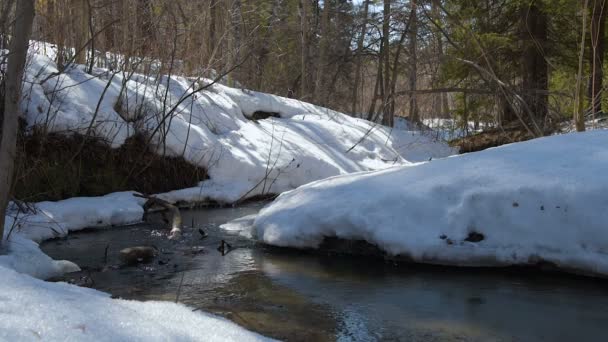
x=176 y=218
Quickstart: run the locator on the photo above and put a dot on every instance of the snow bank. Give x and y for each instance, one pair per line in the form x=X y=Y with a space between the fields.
x=213 y=128
x=24 y=256
x=46 y=220
x=538 y=201
x=36 y=310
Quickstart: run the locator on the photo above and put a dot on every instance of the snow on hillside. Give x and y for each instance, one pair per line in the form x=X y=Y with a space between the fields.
x=542 y=200
x=214 y=129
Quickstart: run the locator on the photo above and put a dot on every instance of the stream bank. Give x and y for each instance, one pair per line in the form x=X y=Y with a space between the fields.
x=303 y=296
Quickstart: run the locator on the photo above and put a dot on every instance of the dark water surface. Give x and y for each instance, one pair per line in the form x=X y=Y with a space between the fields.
x=308 y=297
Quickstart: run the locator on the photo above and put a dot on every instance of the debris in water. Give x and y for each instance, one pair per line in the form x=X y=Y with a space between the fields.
x=136 y=255
x=224 y=248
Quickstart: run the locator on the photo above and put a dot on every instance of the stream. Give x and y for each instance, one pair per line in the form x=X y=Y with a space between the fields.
x=301 y=296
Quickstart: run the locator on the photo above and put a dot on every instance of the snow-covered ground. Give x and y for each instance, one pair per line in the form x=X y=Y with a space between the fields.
x=538 y=201
x=36 y=310
x=214 y=129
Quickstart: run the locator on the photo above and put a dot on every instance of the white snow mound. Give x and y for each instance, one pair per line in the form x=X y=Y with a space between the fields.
x=539 y=201
x=212 y=128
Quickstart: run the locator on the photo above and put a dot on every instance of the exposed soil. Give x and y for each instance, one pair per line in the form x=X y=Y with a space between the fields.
x=58 y=166
x=491 y=138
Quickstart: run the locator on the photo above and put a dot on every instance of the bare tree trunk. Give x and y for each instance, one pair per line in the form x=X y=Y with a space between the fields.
x=414 y=115
x=145 y=28
x=444 y=106
x=598 y=44
x=235 y=21
x=212 y=30
x=323 y=53
x=579 y=114
x=360 y=42
x=81 y=30
x=6 y=10
x=386 y=117
x=535 y=68
x=304 y=25
x=372 y=105
x=22 y=28
x=396 y=64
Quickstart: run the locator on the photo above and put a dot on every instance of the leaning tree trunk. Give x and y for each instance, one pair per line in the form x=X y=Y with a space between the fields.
x=22 y=28
x=598 y=44
x=534 y=63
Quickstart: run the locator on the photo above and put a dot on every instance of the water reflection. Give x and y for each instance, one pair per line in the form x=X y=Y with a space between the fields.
x=300 y=296
x=433 y=303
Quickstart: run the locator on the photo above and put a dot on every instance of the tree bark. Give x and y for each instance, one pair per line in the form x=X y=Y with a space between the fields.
x=598 y=44
x=81 y=29
x=534 y=64
x=304 y=26
x=396 y=65
x=323 y=53
x=212 y=30
x=413 y=79
x=22 y=28
x=443 y=105
x=579 y=115
x=6 y=10
x=360 y=42
x=235 y=20
x=387 y=119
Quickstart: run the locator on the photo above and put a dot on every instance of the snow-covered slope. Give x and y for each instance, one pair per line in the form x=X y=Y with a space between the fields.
x=539 y=201
x=213 y=128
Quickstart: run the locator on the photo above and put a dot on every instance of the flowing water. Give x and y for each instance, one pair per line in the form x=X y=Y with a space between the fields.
x=312 y=297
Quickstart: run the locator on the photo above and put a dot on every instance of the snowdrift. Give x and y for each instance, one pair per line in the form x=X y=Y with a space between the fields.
x=542 y=201
x=215 y=128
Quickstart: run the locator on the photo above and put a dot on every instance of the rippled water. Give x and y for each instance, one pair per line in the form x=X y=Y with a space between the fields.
x=302 y=296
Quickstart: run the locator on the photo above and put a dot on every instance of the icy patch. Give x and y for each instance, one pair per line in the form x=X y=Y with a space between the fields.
x=241 y=226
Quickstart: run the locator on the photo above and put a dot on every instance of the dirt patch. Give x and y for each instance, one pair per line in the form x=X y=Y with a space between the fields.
x=260 y=115
x=57 y=166
x=490 y=138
